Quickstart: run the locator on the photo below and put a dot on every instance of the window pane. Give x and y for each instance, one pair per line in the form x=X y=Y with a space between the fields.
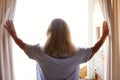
x=32 y=18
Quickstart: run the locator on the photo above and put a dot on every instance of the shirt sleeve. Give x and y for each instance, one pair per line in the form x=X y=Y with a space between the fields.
x=32 y=51
x=83 y=55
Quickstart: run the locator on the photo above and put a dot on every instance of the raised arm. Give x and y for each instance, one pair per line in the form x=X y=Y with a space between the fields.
x=10 y=28
x=105 y=32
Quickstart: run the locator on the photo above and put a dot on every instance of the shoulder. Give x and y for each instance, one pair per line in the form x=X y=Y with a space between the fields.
x=28 y=46
x=84 y=50
x=32 y=50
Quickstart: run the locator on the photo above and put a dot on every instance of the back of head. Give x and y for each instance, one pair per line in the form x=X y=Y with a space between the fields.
x=59 y=40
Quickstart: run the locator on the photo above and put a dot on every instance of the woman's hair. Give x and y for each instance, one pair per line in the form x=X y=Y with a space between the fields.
x=59 y=44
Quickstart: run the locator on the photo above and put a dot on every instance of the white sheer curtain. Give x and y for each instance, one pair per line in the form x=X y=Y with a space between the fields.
x=110 y=10
x=6 y=12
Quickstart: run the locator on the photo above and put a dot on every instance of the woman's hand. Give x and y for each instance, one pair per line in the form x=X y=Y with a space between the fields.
x=105 y=30
x=10 y=28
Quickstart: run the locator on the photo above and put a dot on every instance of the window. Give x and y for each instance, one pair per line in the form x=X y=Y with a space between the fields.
x=32 y=18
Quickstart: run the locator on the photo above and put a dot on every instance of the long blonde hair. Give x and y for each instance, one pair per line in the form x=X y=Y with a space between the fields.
x=59 y=44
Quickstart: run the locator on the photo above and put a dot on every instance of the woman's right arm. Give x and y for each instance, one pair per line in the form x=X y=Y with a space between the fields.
x=105 y=32
x=10 y=28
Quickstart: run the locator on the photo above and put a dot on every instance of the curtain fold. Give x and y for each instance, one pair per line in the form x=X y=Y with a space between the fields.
x=7 y=8
x=106 y=8
x=107 y=15
x=110 y=9
x=116 y=40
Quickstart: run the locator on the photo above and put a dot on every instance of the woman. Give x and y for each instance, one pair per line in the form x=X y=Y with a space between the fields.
x=58 y=59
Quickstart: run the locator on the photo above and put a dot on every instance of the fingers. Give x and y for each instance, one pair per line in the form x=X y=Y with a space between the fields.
x=10 y=27
x=105 y=28
x=8 y=24
x=5 y=26
x=104 y=23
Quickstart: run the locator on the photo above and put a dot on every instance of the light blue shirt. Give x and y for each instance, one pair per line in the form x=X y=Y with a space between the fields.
x=49 y=68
